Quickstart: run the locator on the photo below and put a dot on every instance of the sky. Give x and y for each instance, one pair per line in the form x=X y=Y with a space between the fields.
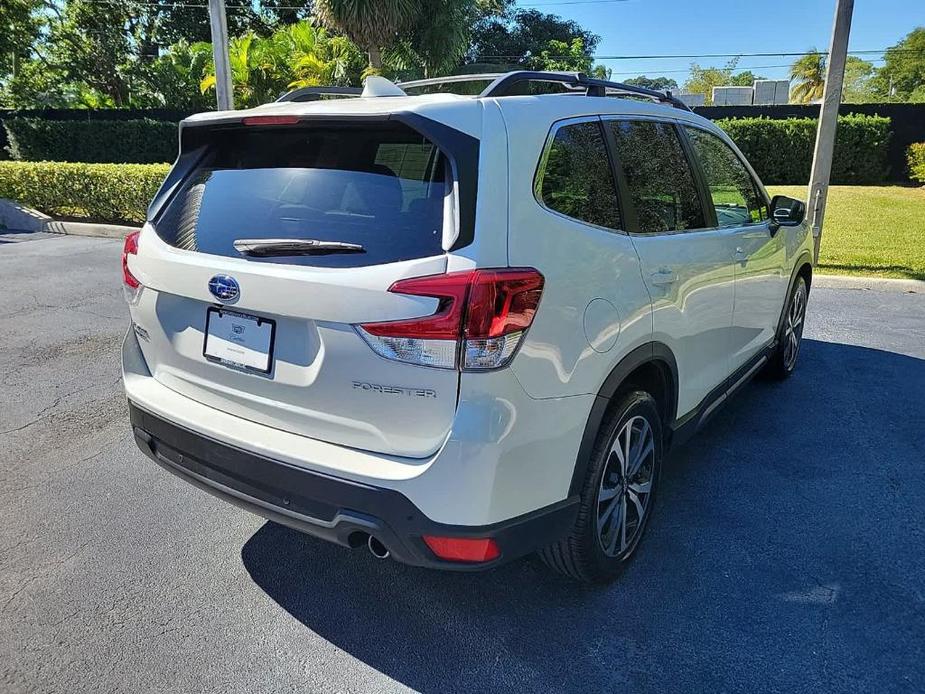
x=647 y=27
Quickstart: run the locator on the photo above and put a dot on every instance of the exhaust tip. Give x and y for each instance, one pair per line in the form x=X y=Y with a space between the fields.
x=377 y=549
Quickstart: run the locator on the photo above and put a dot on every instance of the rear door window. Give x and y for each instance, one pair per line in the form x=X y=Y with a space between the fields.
x=658 y=176
x=575 y=178
x=381 y=187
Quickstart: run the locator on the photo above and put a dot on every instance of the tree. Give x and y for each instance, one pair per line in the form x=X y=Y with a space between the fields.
x=703 y=79
x=22 y=23
x=809 y=74
x=189 y=21
x=90 y=43
x=371 y=24
x=658 y=83
x=568 y=57
x=309 y=56
x=857 y=87
x=745 y=79
x=300 y=55
x=507 y=36
x=440 y=35
x=903 y=71
x=172 y=80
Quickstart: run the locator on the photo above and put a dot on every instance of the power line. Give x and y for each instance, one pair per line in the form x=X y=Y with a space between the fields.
x=717 y=55
x=570 y=2
x=740 y=68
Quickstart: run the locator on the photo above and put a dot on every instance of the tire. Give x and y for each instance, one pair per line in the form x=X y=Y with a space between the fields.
x=596 y=551
x=790 y=335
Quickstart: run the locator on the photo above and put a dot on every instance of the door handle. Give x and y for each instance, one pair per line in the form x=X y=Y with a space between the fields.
x=741 y=255
x=663 y=276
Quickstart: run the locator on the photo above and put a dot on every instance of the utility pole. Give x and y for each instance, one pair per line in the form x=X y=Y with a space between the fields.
x=223 y=90
x=828 y=120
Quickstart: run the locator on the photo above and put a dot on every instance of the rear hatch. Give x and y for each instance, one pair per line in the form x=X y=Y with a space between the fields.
x=272 y=245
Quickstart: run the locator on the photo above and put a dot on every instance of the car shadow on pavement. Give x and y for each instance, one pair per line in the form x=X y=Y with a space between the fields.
x=786 y=542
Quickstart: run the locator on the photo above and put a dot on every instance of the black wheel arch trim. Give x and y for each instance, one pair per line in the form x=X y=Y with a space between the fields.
x=656 y=353
x=803 y=260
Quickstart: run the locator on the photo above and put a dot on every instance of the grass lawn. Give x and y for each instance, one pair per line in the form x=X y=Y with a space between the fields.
x=871 y=230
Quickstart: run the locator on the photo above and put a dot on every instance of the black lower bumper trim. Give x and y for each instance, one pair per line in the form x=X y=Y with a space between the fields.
x=332 y=508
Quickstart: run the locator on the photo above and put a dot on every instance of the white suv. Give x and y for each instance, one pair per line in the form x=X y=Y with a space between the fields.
x=455 y=329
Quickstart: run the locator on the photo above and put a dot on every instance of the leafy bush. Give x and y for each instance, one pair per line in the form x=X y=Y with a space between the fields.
x=782 y=150
x=102 y=192
x=915 y=155
x=120 y=141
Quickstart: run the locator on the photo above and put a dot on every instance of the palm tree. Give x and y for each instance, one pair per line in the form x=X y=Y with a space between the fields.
x=298 y=55
x=313 y=57
x=809 y=73
x=371 y=24
x=440 y=36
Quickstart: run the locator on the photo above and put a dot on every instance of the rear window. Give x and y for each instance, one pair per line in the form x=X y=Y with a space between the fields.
x=381 y=187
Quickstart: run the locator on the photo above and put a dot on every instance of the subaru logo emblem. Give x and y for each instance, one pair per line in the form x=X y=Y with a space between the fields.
x=224 y=288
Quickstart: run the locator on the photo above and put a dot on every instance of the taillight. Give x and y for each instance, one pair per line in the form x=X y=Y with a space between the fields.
x=480 y=320
x=463 y=549
x=131 y=287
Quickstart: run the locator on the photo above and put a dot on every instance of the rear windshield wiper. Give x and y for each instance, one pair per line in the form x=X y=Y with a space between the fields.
x=265 y=248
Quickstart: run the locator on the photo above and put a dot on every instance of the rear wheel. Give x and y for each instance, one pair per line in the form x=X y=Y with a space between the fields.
x=617 y=495
x=784 y=359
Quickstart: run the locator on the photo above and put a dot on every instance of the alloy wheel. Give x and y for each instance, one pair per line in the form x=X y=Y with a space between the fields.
x=626 y=487
x=793 y=328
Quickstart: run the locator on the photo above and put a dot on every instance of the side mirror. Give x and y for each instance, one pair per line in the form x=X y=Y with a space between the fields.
x=787 y=212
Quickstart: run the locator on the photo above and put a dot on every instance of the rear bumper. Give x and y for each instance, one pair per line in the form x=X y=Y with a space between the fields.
x=334 y=509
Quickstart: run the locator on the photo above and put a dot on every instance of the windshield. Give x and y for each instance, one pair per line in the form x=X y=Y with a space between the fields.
x=380 y=186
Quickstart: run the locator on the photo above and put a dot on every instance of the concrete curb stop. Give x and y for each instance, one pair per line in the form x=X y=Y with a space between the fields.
x=19 y=218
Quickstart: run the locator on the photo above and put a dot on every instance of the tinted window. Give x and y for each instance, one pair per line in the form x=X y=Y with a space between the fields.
x=380 y=187
x=577 y=180
x=734 y=192
x=658 y=176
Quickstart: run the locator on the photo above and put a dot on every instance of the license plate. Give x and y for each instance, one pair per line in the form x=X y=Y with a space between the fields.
x=239 y=340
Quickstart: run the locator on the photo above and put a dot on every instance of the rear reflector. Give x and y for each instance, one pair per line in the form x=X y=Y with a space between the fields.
x=463 y=549
x=480 y=319
x=270 y=120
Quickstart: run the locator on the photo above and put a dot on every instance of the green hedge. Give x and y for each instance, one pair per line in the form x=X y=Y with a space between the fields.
x=916 y=158
x=101 y=192
x=782 y=150
x=143 y=141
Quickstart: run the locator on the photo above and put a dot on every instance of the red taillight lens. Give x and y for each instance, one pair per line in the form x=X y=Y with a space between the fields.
x=270 y=120
x=463 y=549
x=130 y=248
x=451 y=289
x=502 y=302
x=480 y=319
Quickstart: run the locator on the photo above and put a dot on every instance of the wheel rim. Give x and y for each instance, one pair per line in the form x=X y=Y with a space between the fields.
x=793 y=327
x=626 y=487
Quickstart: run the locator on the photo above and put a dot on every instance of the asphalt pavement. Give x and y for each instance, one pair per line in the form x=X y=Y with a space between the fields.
x=786 y=553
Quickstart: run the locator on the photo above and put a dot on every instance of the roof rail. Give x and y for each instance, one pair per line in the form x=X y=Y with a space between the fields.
x=578 y=81
x=502 y=84
x=450 y=79
x=315 y=93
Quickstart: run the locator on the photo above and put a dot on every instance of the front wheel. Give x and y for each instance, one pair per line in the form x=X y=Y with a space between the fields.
x=784 y=359
x=617 y=496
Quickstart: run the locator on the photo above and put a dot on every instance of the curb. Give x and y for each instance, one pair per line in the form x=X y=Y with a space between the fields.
x=107 y=231
x=875 y=284
x=16 y=217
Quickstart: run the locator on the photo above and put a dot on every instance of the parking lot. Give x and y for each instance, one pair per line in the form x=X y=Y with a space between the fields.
x=787 y=552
